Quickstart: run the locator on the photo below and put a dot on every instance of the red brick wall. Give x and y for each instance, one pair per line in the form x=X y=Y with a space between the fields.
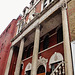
x=13 y=61
x=5 y=43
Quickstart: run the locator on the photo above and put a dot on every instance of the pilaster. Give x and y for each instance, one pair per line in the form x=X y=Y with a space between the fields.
x=67 y=50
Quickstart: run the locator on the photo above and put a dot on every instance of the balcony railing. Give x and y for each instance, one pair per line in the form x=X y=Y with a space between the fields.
x=59 y=70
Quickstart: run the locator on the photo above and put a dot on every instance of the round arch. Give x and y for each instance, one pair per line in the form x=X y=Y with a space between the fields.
x=28 y=67
x=41 y=69
x=56 y=57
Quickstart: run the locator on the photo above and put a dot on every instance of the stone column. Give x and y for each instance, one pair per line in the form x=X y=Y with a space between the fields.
x=9 y=61
x=17 y=69
x=35 y=52
x=67 y=50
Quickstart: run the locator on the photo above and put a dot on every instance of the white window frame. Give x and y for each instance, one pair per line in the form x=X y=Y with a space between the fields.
x=42 y=4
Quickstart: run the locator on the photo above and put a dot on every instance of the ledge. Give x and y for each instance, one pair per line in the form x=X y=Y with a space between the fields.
x=45 y=50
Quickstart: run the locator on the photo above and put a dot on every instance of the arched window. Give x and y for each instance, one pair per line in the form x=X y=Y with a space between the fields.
x=28 y=69
x=41 y=69
x=54 y=60
x=28 y=51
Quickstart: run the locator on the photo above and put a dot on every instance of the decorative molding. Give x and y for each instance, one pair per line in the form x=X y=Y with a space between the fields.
x=42 y=61
x=64 y=5
x=56 y=57
x=28 y=67
x=51 y=47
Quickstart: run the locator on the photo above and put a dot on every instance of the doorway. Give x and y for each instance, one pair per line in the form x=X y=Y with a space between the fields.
x=41 y=70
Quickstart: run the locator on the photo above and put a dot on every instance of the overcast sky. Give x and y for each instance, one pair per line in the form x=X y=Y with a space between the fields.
x=10 y=9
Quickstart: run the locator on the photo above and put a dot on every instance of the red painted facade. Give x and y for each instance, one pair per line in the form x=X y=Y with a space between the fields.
x=5 y=43
x=47 y=53
x=53 y=47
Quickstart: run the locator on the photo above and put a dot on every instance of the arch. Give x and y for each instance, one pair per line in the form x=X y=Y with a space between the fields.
x=41 y=69
x=42 y=61
x=28 y=67
x=56 y=57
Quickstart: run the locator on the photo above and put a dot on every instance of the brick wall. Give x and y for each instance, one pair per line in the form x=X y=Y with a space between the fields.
x=5 y=43
x=71 y=18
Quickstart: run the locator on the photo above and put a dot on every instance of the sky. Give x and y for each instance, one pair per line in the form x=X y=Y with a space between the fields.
x=9 y=10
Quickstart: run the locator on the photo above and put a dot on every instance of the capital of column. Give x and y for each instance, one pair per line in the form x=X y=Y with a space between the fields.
x=64 y=5
x=24 y=39
x=11 y=47
x=39 y=26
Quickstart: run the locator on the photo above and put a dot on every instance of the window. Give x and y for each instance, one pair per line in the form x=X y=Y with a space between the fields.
x=25 y=11
x=28 y=72
x=28 y=51
x=51 y=1
x=46 y=42
x=28 y=69
x=59 y=35
x=39 y=45
x=41 y=69
x=24 y=54
x=45 y=3
x=54 y=65
x=21 y=68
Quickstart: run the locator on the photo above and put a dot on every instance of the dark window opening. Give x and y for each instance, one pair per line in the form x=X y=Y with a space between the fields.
x=48 y=73
x=21 y=68
x=54 y=65
x=45 y=3
x=59 y=35
x=46 y=42
x=28 y=72
x=39 y=45
x=50 y=0
x=41 y=69
x=24 y=54
x=28 y=51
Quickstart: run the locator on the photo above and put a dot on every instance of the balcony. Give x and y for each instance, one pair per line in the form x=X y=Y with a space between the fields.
x=59 y=70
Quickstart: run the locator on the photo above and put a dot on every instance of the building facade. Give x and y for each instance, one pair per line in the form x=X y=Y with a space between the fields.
x=5 y=43
x=42 y=43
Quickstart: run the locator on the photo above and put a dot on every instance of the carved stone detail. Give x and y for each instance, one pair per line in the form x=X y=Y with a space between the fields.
x=42 y=61
x=55 y=58
x=28 y=67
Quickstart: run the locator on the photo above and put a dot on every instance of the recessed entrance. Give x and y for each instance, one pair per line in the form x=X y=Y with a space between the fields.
x=41 y=70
